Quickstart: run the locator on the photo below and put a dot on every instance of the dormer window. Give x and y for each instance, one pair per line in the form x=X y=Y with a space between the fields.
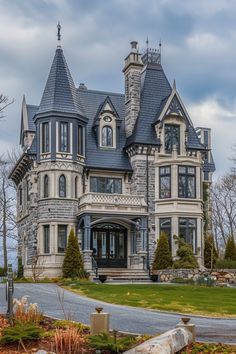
x=107 y=136
x=172 y=137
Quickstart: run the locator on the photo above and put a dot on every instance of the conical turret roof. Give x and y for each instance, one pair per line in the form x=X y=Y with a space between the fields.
x=60 y=93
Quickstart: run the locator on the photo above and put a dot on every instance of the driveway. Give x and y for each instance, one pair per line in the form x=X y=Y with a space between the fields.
x=123 y=318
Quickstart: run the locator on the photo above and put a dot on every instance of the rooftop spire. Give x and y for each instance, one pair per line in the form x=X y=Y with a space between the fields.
x=152 y=55
x=59 y=34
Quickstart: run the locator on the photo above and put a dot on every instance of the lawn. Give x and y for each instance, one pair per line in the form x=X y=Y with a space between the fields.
x=211 y=301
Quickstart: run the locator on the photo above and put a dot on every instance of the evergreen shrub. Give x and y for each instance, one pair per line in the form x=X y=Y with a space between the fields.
x=162 y=259
x=186 y=259
x=73 y=262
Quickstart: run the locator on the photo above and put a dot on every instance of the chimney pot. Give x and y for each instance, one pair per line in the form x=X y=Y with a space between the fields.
x=134 y=44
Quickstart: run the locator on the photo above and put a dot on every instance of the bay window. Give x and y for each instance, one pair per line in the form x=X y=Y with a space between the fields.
x=188 y=231
x=165 y=182
x=187 y=182
x=172 y=137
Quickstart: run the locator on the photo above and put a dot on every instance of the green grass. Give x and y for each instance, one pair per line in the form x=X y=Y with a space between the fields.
x=177 y=298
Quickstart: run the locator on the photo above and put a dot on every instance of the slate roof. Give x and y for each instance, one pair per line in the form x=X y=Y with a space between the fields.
x=101 y=157
x=155 y=88
x=31 y=111
x=193 y=141
x=60 y=93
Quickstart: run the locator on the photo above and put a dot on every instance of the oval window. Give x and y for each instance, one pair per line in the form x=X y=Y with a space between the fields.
x=107 y=119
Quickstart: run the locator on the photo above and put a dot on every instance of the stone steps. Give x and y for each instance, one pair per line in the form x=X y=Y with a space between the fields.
x=120 y=274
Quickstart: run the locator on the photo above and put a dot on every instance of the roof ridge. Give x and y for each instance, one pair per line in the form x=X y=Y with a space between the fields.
x=102 y=92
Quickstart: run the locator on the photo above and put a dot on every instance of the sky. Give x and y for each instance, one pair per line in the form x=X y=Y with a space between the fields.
x=198 y=51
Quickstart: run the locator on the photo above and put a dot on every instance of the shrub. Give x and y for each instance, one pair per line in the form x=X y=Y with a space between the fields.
x=105 y=341
x=2 y=272
x=66 y=323
x=25 y=312
x=73 y=263
x=225 y=264
x=179 y=280
x=20 y=268
x=162 y=259
x=68 y=340
x=230 y=249
x=20 y=333
x=186 y=259
x=210 y=253
x=205 y=281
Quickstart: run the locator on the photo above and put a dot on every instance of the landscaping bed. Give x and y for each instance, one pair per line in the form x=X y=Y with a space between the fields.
x=199 y=300
x=208 y=348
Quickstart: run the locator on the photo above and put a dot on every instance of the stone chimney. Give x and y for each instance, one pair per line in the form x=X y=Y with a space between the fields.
x=132 y=72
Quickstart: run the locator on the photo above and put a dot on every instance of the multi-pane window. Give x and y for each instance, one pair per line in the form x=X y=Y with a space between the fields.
x=46 y=238
x=105 y=185
x=172 y=137
x=62 y=238
x=187 y=182
x=62 y=186
x=188 y=231
x=107 y=136
x=64 y=137
x=165 y=182
x=80 y=140
x=45 y=137
x=46 y=186
x=165 y=226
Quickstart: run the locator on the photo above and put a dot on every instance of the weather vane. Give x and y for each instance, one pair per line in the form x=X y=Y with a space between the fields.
x=58 y=31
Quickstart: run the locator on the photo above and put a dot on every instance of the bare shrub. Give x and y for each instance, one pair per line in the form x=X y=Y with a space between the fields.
x=69 y=341
x=25 y=312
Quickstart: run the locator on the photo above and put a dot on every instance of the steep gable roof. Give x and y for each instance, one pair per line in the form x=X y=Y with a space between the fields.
x=60 y=93
x=97 y=157
x=155 y=88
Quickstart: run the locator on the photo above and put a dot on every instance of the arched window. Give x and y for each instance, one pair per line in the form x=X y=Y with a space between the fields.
x=62 y=186
x=107 y=136
x=46 y=186
x=76 y=187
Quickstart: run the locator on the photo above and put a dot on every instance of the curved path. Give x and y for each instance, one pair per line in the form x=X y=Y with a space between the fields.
x=123 y=318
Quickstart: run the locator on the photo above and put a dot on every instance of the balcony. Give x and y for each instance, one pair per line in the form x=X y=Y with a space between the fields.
x=112 y=204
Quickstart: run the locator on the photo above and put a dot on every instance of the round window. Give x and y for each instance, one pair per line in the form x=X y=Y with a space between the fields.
x=107 y=119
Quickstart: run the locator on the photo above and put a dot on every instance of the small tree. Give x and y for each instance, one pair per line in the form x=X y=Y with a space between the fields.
x=163 y=259
x=73 y=263
x=186 y=259
x=210 y=253
x=20 y=268
x=230 y=249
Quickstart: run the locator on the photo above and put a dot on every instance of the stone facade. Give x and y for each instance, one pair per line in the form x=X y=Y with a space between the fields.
x=92 y=161
x=226 y=276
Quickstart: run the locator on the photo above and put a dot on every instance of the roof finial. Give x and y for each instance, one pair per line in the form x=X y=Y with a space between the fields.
x=147 y=42
x=174 y=85
x=58 y=32
x=160 y=44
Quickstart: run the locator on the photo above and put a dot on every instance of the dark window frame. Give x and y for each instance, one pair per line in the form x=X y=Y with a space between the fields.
x=64 y=141
x=62 y=186
x=186 y=176
x=60 y=228
x=45 y=138
x=186 y=229
x=163 y=175
x=20 y=195
x=80 y=140
x=27 y=190
x=46 y=239
x=105 y=137
x=171 y=128
x=76 y=187
x=46 y=186
x=103 y=181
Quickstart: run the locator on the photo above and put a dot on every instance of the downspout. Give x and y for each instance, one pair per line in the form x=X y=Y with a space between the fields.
x=147 y=201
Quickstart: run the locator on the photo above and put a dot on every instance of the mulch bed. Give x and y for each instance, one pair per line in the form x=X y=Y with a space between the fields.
x=47 y=343
x=209 y=348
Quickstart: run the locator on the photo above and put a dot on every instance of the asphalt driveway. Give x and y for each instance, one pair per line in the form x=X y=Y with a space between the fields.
x=123 y=318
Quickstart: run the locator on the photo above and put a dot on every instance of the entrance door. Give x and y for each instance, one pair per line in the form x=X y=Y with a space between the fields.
x=109 y=245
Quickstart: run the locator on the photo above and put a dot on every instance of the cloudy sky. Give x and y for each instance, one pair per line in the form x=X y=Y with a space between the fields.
x=198 y=50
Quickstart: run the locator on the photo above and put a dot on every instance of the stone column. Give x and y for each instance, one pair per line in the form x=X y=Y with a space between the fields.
x=87 y=252
x=143 y=251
